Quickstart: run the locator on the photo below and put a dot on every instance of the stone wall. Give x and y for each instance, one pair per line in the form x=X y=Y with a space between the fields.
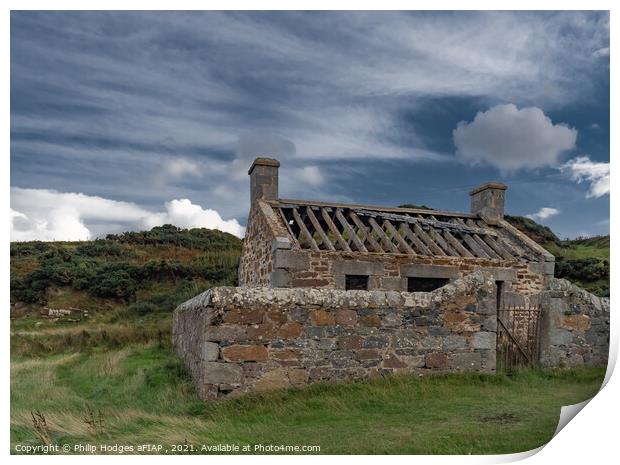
x=324 y=269
x=574 y=326
x=236 y=340
x=264 y=235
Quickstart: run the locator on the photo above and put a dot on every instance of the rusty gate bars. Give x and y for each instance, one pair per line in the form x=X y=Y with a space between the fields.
x=517 y=337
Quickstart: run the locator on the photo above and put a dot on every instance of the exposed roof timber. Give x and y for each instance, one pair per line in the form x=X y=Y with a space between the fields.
x=329 y=227
x=294 y=202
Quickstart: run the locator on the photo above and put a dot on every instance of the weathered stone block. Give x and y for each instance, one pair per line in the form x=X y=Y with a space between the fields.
x=292 y=259
x=393 y=284
x=429 y=271
x=290 y=330
x=360 y=267
x=280 y=243
x=484 y=340
x=561 y=337
x=244 y=353
x=350 y=342
x=225 y=333
x=342 y=359
x=489 y=324
x=322 y=318
x=246 y=317
x=370 y=320
x=283 y=354
x=576 y=322
x=375 y=342
x=368 y=354
x=502 y=274
x=468 y=361
x=300 y=315
x=391 y=360
x=222 y=373
x=454 y=342
x=346 y=317
x=261 y=332
x=393 y=317
x=436 y=360
x=210 y=351
x=276 y=379
x=327 y=344
x=459 y=322
x=405 y=339
x=281 y=278
x=298 y=377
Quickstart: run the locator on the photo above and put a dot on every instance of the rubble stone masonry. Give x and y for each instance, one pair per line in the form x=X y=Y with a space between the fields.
x=574 y=326
x=236 y=340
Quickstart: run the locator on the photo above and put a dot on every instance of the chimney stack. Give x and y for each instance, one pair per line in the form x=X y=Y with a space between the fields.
x=263 y=179
x=487 y=201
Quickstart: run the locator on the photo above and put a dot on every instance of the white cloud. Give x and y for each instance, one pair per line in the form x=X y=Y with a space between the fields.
x=185 y=214
x=601 y=52
x=310 y=175
x=42 y=214
x=582 y=169
x=543 y=213
x=177 y=167
x=511 y=139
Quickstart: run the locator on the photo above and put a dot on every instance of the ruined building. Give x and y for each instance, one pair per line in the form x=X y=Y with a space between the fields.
x=299 y=243
x=342 y=292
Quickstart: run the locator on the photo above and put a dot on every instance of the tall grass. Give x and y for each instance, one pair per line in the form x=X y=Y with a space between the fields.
x=141 y=393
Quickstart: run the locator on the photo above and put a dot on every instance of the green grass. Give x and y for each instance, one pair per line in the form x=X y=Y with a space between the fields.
x=581 y=248
x=112 y=378
x=140 y=393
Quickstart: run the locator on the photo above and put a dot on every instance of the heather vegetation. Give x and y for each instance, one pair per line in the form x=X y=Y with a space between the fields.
x=119 y=266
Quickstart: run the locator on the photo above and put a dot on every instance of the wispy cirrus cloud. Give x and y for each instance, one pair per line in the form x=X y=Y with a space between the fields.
x=544 y=213
x=583 y=169
x=111 y=103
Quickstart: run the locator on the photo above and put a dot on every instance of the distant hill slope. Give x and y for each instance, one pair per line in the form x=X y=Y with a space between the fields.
x=144 y=271
x=584 y=261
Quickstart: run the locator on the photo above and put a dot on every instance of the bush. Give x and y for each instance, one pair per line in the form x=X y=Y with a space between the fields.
x=195 y=238
x=100 y=248
x=583 y=269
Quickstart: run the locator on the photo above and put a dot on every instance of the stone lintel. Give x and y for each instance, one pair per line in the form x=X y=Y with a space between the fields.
x=358 y=267
x=502 y=274
x=429 y=271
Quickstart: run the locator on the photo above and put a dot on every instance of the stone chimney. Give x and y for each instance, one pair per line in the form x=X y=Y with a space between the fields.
x=264 y=179
x=487 y=201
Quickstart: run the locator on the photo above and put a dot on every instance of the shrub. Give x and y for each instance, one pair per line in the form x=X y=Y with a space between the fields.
x=100 y=248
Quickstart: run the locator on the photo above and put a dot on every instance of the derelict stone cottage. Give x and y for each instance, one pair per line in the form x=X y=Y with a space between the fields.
x=340 y=292
x=297 y=243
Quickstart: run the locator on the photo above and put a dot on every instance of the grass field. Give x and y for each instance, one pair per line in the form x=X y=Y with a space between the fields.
x=107 y=389
x=110 y=377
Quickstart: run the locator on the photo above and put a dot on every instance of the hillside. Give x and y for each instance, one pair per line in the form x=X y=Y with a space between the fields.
x=584 y=261
x=142 y=272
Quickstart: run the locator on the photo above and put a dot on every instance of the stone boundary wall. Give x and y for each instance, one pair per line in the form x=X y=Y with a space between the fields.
x=236 y=340
x=574 y=326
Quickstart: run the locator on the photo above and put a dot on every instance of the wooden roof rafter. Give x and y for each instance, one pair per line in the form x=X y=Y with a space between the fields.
x=340 y=228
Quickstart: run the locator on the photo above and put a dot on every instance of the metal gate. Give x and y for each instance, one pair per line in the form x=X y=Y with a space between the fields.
x=517 y=337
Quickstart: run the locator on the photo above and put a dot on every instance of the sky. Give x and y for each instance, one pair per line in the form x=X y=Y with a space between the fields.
x=129 y=120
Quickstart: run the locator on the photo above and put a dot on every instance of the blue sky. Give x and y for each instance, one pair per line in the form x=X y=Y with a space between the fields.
x=126 y=120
